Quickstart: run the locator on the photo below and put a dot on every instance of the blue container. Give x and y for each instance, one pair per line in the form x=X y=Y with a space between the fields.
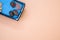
x=6 y=8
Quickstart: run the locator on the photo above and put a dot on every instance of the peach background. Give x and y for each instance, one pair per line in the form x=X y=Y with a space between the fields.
x=39 y=21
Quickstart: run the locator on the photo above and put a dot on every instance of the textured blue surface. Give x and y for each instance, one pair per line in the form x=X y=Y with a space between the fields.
x=6 y=7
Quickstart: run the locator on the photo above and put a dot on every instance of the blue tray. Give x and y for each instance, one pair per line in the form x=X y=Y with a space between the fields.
x=6 y=8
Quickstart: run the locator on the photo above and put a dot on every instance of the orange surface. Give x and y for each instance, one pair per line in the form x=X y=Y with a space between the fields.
x=39 y=21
